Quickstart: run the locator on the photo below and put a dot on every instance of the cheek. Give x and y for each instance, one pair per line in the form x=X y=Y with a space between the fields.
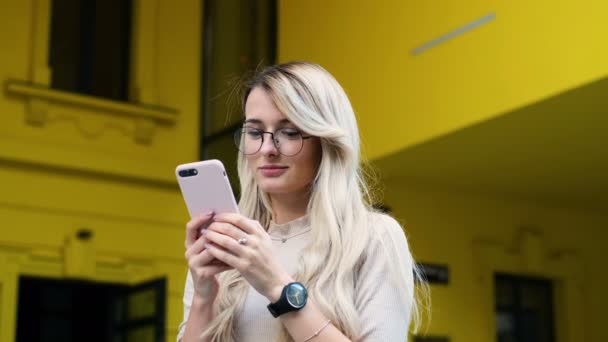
x=309 y=164
x=315 y=156
x=251 y=161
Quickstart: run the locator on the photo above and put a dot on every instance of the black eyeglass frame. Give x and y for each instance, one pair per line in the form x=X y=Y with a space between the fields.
x=239 y=132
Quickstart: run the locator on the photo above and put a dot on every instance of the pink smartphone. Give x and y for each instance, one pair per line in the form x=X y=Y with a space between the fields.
x=205 y=187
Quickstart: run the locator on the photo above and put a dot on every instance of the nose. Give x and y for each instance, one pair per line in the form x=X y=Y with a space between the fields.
x=268 y=146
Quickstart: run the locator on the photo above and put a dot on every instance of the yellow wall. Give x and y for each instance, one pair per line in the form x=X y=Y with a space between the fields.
x=82 y=167
x=532 y=49
x=173 y=60
x=447 y=228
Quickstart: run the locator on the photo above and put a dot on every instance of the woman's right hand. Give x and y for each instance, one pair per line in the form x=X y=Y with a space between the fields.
x=203 y=266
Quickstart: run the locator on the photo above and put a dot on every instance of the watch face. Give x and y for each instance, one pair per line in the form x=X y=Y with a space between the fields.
x=296 y=295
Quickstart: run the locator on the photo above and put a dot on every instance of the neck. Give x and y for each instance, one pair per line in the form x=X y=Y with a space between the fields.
x=288 y=207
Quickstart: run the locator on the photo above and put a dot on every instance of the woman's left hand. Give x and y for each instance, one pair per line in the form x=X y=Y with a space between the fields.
x=252 y=256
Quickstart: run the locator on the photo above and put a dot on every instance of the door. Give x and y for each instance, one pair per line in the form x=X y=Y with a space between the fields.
x=139 y=313
x=81 y=310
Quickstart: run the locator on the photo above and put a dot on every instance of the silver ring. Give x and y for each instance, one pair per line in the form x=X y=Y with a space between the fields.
x=242 y=241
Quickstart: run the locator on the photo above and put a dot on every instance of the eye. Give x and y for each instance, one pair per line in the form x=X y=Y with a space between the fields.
x=289 y=133
x=252 y=133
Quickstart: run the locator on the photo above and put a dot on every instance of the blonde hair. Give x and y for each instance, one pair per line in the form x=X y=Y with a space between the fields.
x=339 y=205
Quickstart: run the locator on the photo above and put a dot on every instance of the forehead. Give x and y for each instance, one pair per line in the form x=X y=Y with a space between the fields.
x=260 y=108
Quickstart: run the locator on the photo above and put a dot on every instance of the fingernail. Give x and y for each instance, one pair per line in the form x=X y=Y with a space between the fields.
x=204 y=232
x=207 y=245
x=205 y=215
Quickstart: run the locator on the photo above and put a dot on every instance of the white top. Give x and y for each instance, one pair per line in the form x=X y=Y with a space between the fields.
x=381 y=293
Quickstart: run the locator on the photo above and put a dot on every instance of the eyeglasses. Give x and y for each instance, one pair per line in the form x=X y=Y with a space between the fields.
x=288 y=141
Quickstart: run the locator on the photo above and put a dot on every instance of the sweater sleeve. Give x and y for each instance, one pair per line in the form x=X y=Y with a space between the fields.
x=188 y=295
x=384 y=292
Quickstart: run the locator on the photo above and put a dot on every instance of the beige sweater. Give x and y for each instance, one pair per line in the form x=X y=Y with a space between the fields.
x=384 y=284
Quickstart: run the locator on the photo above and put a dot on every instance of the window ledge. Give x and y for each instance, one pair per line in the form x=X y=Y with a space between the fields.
x=146 y=116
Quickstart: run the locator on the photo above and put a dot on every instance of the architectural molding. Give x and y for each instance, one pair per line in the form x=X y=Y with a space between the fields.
x=528 y=255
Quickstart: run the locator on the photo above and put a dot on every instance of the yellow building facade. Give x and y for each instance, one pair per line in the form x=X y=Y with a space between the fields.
x=71 y=162
x=434 y=122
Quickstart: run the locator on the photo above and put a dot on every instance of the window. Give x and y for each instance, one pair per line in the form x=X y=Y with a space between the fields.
x=239 y=36
x=89 y=47
x=77 y=310
x=524 y=309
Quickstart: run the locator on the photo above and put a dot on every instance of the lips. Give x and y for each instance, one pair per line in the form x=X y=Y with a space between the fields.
x=272 y=170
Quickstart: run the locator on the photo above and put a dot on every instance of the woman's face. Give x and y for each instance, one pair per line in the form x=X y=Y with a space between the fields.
x=274 y=172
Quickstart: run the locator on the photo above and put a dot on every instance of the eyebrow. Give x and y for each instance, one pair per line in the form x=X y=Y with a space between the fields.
x=258 y=121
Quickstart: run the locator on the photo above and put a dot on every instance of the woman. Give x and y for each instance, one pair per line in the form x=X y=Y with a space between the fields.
x=307 y=247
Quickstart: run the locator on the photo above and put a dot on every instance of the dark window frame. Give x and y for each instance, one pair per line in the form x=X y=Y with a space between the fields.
x=518 y=282
x=207 y=137
x=108 y=325
x=81 y=68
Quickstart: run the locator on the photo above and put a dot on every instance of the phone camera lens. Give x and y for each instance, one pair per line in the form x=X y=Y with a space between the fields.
x=194 y=172
x=183 y=173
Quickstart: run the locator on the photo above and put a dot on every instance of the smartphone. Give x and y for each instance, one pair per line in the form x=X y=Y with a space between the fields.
x=205 y=187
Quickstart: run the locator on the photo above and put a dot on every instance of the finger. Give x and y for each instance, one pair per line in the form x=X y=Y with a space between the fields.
x=197 y=247
x=227 y=229
x=226 y=242
x=248 y=226
x=216 y=262
x=226 y=257
x=194 y=225
x=201 y=259
x=212 y=270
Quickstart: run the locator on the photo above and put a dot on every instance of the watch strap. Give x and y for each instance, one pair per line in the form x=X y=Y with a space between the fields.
x=281 y=306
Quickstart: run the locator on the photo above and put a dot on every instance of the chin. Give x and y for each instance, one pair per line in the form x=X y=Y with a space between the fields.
x=273 y=188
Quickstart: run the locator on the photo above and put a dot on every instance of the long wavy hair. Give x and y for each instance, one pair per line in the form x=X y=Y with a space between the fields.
x=339 y=205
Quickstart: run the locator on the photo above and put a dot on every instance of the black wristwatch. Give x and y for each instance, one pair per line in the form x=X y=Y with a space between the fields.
x=293 y=298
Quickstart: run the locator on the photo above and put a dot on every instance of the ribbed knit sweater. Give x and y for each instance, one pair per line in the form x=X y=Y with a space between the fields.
x=384 y=283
